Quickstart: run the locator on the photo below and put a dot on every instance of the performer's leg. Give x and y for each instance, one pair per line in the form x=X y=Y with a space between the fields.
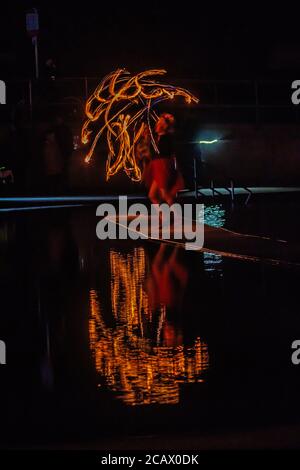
x=154 y=193
x=167 y=196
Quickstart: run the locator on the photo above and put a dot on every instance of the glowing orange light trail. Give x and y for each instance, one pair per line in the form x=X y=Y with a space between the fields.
x=117 y=94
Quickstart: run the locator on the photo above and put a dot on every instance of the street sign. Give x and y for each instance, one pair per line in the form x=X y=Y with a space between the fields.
x=32 y=27
x=32 y=23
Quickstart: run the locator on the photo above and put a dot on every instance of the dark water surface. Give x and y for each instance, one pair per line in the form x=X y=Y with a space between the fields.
x=125 y=337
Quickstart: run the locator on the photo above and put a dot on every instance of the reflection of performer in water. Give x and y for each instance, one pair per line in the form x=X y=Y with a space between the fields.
x=160 y=175
x=166 y=286
x=139 y=348
x=168 y=278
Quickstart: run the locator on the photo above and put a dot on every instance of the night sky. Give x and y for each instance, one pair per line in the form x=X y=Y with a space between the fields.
x=188 y=42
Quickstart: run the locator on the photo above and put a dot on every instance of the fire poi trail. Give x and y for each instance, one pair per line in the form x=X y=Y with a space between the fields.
x=124 y=104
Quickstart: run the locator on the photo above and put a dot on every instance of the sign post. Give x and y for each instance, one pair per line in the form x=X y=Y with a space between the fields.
x=32 y=27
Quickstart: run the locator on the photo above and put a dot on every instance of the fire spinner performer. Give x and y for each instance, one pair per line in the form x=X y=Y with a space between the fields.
x=124 y=105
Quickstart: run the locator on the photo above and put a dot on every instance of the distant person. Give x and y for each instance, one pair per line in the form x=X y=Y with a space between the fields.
x=49 y=89
x=58 y=148
x=50 y=69
x=53 y=164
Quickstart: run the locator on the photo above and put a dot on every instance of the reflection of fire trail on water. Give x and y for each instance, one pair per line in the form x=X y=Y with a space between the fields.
x=124 y=104
x=131 y=365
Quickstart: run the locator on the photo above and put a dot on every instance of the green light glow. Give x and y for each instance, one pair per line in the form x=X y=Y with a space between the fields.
x=208 y=142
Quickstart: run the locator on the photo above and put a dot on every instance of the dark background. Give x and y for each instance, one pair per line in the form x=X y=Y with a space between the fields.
x=240 y=62
x=186 y=39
